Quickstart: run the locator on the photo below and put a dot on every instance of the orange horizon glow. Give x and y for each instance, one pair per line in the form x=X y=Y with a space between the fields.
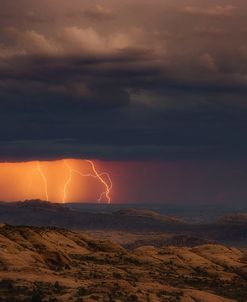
x=66 y=180
x=44 y=180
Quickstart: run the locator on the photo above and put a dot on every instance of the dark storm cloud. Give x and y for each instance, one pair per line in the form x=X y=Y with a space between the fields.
x=99 y=80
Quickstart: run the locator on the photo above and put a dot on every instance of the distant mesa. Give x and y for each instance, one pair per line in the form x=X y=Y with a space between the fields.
x=149 y=214
x=38 y=202
x=43 y=213
x=234 y=219
x=230 y=229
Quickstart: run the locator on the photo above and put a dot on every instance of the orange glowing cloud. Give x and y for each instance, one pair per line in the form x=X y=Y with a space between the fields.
x=58 y=181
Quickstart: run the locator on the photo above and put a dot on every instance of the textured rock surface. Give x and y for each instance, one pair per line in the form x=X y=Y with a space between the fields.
x=49 y=264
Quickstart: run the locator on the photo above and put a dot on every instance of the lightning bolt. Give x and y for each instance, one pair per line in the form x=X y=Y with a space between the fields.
x=67 y=182
x=44 y=180
x=99 y=176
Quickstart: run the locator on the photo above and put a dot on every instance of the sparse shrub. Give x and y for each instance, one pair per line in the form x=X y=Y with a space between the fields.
x=116 y=275
x=133 y=298
x=11 y=300
x=53 y=299
x=57 y=287
x=6 y=284
x=200 y=271
x=82 y=291
x=79 y=300
x=36 y=296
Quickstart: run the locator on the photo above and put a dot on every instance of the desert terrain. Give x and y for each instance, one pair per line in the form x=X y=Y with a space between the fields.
x=51 y=264
x=129 y=227
x=50 y=252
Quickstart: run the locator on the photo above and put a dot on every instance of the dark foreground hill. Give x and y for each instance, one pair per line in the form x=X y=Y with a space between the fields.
x=38 y=213
x=240 y=218
x=42 y=213
x=50 y=264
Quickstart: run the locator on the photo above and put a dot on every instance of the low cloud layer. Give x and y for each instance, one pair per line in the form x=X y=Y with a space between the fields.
x=123 y=79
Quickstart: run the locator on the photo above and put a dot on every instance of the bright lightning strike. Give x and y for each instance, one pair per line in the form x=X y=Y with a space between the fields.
x=99 y=176
x=67 y=182
x=44 y=180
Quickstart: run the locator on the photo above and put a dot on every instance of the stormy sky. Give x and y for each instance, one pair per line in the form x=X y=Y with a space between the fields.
x=121 y=80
